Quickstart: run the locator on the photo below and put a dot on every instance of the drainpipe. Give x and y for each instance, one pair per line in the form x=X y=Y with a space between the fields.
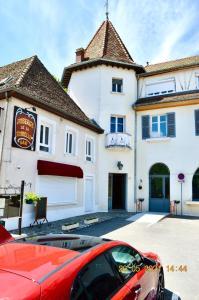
x=135 y=154
x=4 y=129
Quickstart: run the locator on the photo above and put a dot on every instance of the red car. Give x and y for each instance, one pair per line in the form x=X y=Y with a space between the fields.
x=76 y=267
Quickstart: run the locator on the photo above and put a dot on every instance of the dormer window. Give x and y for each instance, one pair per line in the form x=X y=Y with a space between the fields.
x=117 y=85
x=160 y=87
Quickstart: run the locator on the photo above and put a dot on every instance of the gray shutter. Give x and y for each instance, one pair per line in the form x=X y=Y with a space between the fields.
x=197 y=121
x=145 y=127
x=171 y=126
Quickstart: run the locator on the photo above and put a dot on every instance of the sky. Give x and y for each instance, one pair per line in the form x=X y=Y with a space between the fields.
x=152 y=30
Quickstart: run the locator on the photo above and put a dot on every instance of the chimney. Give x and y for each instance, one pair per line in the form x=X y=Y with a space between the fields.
x=79 y=55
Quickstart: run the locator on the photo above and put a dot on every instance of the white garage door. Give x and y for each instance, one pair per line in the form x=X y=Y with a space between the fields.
x=89 y=194
x=58 y=189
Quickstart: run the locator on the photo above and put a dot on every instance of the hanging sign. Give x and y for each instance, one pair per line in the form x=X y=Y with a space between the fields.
x=24 y=129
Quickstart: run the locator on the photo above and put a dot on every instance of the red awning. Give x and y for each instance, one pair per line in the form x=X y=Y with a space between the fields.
x=51 y=168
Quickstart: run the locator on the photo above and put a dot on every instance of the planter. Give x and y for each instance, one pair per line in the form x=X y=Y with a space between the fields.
x=91 y=220
x=69 y=226
x=29 y=201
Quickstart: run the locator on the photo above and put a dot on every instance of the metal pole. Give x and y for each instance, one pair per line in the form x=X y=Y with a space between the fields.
x=21 y=206
x=181 y=197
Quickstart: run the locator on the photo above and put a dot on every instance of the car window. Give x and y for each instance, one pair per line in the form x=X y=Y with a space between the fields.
x=78 y=292
x=127 y=261
x=99 y=280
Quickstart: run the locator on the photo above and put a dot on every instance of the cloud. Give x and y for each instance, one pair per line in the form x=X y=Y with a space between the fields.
x=152 y=30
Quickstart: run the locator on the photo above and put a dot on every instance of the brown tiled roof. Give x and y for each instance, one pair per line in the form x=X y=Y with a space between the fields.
x=30 y=77
x=171 y=65
x=170 y=98
x=107 y=43
x=107 y=48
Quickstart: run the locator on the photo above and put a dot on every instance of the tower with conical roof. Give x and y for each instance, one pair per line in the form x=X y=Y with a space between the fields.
x=103 y=82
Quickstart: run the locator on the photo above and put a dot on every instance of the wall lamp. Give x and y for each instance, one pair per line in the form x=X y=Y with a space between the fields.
x=119 y=165
x=32 y=107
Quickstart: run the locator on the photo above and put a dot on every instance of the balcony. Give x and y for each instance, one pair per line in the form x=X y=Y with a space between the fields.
x=118 y=140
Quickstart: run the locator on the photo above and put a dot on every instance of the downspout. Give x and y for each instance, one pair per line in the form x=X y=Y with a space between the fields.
x=135 y=154
x=4 y=129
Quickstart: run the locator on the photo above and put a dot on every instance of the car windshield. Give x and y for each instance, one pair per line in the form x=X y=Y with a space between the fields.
x=67 y=241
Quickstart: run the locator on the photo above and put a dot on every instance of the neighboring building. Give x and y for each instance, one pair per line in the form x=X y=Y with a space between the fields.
x=151 y=121
x=46 y=140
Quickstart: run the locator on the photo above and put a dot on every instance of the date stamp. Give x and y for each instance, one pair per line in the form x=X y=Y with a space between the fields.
x=152 y=268
x=137 y=268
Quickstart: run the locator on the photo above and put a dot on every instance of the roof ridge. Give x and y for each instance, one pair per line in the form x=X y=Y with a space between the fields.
x=95 y=35
x=26 y=69
x=120 y=41
x=105 y=38
x=172 y=60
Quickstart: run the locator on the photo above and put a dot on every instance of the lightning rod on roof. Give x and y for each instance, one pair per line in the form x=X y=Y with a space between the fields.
x=107 y=8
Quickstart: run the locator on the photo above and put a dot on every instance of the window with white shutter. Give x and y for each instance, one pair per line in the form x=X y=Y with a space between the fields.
x=160 y=87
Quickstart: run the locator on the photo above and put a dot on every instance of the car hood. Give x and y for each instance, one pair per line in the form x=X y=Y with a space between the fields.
x=5 y=236
x=33 y=261
x=15 y=287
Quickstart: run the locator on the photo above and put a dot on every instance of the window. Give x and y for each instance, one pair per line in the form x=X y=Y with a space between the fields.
x=127 y=261
x=159 y=126
x=117 y=85
x=89 y=149
x=98 y=279
x=197 y=122
x=117 y=124
x=160 y=87
x=45 y=138
x=70 y=146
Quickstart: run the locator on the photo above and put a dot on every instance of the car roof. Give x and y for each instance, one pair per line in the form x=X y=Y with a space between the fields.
x=33 y=261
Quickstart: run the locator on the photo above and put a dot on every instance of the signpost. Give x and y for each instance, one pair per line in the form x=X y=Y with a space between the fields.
x=181 y=179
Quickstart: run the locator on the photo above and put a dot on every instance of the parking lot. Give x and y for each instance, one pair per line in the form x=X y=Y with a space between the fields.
x=176 y=240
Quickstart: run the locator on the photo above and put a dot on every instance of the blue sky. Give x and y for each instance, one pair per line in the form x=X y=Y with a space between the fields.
x=152 y=30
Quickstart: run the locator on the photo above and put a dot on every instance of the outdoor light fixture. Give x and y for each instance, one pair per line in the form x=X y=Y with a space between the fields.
x=119 y=165
x=32 y=107
x=140 y=185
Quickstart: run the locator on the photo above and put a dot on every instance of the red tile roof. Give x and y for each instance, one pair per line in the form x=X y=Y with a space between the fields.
x=171 y=65
x=30 y=78
x=107 y=43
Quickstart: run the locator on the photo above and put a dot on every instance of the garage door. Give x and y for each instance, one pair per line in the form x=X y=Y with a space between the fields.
x=58 y=189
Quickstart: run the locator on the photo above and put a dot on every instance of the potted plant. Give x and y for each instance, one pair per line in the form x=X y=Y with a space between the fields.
x=31 y=198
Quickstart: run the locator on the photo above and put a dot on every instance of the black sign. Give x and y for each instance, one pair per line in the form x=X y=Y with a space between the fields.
x=24 y=129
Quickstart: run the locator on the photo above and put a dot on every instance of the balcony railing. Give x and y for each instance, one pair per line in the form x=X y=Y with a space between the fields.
x=115 y=140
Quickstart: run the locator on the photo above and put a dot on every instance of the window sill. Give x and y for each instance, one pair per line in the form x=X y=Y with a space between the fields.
x=192 y=203
x=117 y=93
x=158 y=139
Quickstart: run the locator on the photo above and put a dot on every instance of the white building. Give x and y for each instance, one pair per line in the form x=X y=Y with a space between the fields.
x=150 y=118
x=46 y=140
x=130 y=133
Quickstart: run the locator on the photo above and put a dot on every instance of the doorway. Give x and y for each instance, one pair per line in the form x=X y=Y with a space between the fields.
x=159 y=188
x=117 y=191
x=89 y=185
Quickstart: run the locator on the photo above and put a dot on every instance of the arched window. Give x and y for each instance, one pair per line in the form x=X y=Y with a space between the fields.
x=195 y=186
x=159 y=169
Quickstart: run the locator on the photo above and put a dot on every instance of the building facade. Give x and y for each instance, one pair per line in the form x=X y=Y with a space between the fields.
x=122 y=136
x=150 y=117
x=47 y=141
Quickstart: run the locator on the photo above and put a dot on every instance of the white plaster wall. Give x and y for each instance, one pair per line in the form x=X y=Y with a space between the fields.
x=92 y=87
x=180 y=154
x=186 y=79
x=18 y=164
